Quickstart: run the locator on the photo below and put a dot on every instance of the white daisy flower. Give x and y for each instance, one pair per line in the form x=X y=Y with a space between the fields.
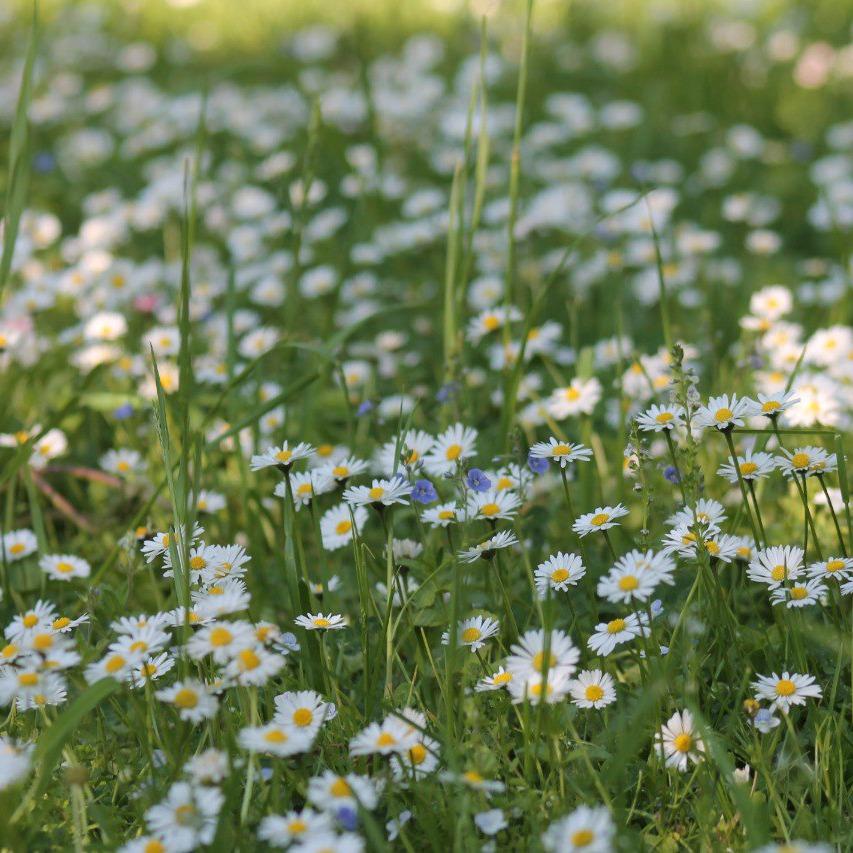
x=559 y=451
x=592 y=689
x=474 y=632
x=678 y=742
x=789 y=689
x=585 y=830
x=558 y=572
x=602 y=518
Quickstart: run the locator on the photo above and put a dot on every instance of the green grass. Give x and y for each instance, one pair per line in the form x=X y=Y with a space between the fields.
x=108 y=753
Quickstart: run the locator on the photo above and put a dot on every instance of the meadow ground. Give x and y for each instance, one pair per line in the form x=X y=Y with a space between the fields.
x=423 y=426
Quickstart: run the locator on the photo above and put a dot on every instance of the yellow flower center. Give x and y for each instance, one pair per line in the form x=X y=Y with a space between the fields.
x=184 y=813
x=628 y=583
x=340 y=788
x=502 y=678
x=42 y=642
x=418 y=753
x=599 y=518
x=343 y=527
x=18 y=548
x=490 y=509
x=30 y=620
x=778 y=573
x=683 y=742
x=123 y=466
x=376 y=493
x=197 y=563
x=503 y=483
x=771 y=406
x=249 y=659
x=747 y=468
x=559 y=575
x=471 y=635
x=473 y=777
x=452 y=452
x=284 y=455
x=220 y=637
x=798 y=593
x=615 y=626
x=154 y=846
x=491 y=322
x=60 y=623
x=9 y=651
x=572 y=394
x=28 y=679
x=593 y=693
x=723 y=415
x=582 y=838
x=561 y=450
x=340 y=471
x=834 y=565
x=303 y=717
x=385 y=739
x=446 y=514
x=114 y=664
x=275 y=736
x=305 y=489
x=785 y=687
x=321 y=622
x=664 y=417
x=539 y=661
x=186 y=698
x=800 y=460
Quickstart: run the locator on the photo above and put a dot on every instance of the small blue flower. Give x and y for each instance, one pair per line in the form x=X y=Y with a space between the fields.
x=478 y=481
x=424 y=492
x=44 y=162
x=347 y=818
x=537 y=464
x=123 y=412
x=446 y=392
x=365 y=408
x=671 y=473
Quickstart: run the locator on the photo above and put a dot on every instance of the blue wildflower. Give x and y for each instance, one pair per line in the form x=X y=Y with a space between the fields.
x=424 y=492
x=478 y=481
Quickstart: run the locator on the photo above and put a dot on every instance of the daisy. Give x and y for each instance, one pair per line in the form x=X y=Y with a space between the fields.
x=419 y=760
x=723 y=412
x=531 y=689
x=678 y=742
x=151 y=669
x=304 y=710
x=626 y=582
x=706 y=512
x=578 y=398
x=188 y=816
x=339 y=523
x=64 y=567
x=210 y=502
x=281 y=830
x=442 y=515
x=453 y=446
x=225 y=596
x=273 y=739
x=330 y=842
x=558 y=572
x=330 y=792
x=221 y=640
x=492 y=504
x=40 y=615
x=208 y=767
x=795 y=846
x=254 y=666
x=122 y=462
x=799 y=594
x=527 y=656
x=409 y=452
x=281 y=457
x=834 y=567
x=592 y=689
x=474 y=632
x=319 y=622
x=773 y=405
x=486 y=550
x=18 y=544
x=305 y=486
x=791 y=689
x=490 y=320
x=659 y=418
x=585 y=830
x=495 y=681
x=752 y=466
x=192 y=699
x=602 y=518
x=345 y=468
x=15 y=759
x=113 y=665
x=805 y=461
x=610 y=634
x=380 y=493
x=390 y=736
x=560 y=451
x=474 y=779
x=773 y=566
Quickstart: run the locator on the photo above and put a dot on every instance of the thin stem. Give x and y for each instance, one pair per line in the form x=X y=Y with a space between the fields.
x=736 y=464
x=834 y=516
